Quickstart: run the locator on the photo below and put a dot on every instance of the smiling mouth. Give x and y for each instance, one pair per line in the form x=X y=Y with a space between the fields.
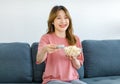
x=63 y=26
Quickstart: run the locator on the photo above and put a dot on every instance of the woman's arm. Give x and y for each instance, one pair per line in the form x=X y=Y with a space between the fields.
x=75 y=62
x=42 y=54
x=78 y=61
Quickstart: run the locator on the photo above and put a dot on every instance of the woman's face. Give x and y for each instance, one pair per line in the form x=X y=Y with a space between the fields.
x=61 y=22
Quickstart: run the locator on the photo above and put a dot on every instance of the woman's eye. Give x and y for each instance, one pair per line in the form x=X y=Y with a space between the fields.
x=66 y=17
x=58 y=18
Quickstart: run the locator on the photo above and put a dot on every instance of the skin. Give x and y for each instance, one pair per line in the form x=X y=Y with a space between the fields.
x=61 y=23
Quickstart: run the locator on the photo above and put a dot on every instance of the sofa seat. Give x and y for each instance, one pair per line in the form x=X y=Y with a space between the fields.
x=103 y=80
x=20 y=83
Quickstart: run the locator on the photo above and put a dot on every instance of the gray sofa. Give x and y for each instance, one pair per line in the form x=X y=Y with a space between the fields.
x=101 y=65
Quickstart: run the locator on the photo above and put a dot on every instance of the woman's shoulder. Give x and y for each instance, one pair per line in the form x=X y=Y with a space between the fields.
x=46 y=35
x=78 y=41
x=45 y=38
x=77 y=37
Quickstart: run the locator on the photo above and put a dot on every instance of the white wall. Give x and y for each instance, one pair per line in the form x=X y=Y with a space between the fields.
x=26 y=20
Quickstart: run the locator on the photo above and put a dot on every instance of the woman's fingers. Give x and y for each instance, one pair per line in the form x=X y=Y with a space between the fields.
x=51 y=48
x=69 y=57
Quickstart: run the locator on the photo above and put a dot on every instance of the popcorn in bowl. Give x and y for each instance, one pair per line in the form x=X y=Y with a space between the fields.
x=72 y=51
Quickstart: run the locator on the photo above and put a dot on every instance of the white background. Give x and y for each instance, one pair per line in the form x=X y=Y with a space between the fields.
x=26 y=20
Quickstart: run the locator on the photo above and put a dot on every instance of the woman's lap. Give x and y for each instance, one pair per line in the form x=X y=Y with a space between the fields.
x=77 y=82
x=58 y=82
x=62 y=82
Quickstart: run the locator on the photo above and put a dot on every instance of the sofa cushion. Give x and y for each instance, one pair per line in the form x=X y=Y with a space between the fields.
x=15 y=63
x=103 y=80
x=38 y=69
x=102 y=57
x=81 y=72
x=20 y=83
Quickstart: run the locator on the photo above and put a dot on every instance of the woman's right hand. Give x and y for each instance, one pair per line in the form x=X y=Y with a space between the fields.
x=50 y=48
x=41 y=55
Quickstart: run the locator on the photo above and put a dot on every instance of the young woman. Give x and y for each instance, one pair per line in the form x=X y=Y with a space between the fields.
x=60 y=68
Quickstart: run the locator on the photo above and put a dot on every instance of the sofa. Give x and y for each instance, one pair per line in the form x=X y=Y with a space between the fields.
x=101 y=63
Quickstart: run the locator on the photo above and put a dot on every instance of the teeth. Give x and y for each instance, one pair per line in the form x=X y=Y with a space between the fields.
x=63 y=25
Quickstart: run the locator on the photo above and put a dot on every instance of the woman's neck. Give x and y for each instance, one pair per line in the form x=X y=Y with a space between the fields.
x=60 y=34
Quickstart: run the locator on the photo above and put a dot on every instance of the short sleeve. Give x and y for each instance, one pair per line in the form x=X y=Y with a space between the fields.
x=43 y=41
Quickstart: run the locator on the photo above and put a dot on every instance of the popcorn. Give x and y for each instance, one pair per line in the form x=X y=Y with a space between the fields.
x=72 y=51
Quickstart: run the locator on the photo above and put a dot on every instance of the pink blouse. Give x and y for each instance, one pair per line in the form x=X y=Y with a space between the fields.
x=58 y=66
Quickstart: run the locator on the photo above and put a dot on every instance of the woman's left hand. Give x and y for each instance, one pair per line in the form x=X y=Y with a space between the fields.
x=71 y=57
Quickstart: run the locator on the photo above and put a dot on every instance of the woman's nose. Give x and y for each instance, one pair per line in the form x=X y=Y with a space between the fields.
x=63 y=20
